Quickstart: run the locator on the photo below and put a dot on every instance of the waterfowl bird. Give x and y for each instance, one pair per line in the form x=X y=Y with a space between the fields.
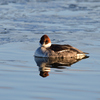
x=47 y=49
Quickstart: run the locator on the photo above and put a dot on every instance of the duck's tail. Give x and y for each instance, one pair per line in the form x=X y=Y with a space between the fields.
x=85 y=53
x=82 y=55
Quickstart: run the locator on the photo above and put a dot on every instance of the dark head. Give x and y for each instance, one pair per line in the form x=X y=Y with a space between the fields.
x=45 y=41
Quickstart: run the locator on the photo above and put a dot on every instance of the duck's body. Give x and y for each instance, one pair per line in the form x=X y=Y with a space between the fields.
x=55 y=50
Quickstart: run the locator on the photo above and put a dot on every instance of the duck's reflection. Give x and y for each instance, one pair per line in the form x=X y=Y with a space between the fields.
x=45 y=64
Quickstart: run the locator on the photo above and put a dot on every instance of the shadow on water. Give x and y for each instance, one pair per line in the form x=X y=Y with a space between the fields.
x=45 y=64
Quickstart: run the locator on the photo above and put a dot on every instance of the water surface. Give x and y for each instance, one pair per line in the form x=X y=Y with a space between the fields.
x=74 y=22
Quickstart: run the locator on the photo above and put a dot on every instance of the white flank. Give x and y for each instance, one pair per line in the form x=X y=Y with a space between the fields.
x=63 y=50
x=80 y=56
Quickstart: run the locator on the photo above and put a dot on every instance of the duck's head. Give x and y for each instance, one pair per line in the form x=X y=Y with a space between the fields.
x=45 y=41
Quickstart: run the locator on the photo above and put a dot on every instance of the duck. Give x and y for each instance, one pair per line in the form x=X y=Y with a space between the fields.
x=49 y=50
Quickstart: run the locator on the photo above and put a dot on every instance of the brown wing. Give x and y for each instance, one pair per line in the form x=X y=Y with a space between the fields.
x=57 y=47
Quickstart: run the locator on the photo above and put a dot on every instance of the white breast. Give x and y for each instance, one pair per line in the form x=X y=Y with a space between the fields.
x=41 y=52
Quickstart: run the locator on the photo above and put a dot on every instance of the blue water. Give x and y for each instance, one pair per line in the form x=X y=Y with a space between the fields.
x=74 y=22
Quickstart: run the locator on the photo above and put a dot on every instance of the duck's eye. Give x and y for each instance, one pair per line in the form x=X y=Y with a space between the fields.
x=46 y=41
